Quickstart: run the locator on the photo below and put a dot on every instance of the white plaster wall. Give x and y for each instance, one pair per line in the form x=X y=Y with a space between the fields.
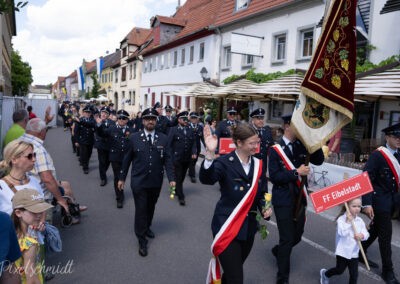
x=289 y=22
x=386 y=107
x=384 y=32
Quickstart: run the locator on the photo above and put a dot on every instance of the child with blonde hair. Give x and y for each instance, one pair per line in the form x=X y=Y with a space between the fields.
x=347 y=247
x=28 y=209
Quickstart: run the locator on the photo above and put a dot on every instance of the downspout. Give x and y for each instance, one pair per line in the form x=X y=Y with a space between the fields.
x=221 y=100
x=375 y=118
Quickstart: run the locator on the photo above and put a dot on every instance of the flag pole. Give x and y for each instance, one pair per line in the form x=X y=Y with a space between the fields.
x=358 y=241
x=302 y=184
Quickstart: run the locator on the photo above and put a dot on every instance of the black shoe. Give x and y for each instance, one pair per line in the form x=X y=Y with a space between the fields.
x=389 y=278
x=150 y=234
x=120 y=204
x=103 y=182
x=182 y=202
x=86 y=171
x=143 y=249
x=193 y=179
x=370 y=262
x=48 y=276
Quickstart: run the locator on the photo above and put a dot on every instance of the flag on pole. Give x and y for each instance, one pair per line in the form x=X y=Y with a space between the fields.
x=326 y=102
x=99 y=65
x=81 y=78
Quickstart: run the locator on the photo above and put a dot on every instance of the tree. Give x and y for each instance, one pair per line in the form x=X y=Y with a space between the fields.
x=96 y=86
x=6 y=6
x=21 y=76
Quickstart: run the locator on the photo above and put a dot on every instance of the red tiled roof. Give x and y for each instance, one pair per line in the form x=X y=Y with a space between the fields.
x=72 y=75
x=170 y=21
x=90 y=66
x=227 y=14
x=137 y=36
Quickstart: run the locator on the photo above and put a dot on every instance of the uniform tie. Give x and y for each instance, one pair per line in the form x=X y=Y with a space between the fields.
x=290 y=145
x=149 y=139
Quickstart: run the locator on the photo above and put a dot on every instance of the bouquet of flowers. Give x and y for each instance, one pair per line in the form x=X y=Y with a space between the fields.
x=263 y=227
x=172 y=192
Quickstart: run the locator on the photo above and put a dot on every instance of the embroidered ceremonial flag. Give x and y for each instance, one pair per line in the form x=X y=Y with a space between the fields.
x=99 y=65
x=326 y=102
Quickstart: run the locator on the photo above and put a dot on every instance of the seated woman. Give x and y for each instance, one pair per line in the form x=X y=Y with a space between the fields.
x=241 y=178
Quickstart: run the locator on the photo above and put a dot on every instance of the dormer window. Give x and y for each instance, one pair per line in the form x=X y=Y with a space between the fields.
x=242 y=4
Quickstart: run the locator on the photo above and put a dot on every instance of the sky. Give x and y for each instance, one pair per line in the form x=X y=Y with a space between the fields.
x=54 y=36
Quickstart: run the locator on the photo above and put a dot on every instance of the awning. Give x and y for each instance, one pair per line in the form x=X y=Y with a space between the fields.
x=194 y=90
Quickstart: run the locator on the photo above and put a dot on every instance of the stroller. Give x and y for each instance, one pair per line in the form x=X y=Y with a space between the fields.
x=74 y=212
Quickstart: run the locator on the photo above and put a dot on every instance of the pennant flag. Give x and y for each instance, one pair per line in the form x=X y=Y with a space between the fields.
x=81 y=78
x=99 y=65
x=326 y=102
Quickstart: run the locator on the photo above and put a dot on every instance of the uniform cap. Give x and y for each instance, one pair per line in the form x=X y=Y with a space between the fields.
x=31 y=200
x=105 y=109
x=260 y=112
x=194 y=114
x=157 y=105
x=123 y=113
x=168 y=108
x=392 y=130
x=287 y=118
x=87 y=108
x=182 y=114
x=149 y=112
x=231 y=110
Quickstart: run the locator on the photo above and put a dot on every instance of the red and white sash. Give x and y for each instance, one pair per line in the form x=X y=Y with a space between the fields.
x=232 y=225
x=289 y=166
x=392 y=162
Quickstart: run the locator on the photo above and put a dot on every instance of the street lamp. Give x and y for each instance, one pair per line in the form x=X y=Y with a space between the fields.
x=204 y=73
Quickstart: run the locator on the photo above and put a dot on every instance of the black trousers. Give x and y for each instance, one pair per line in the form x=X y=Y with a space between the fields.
x=232 y=260
x=381 y=228
x=181 y=168
x=290 y=233
x=116 y=167
x=341 y=264
x=104 y=163
x=192 y=167
x=85 y=152
x=145 y=204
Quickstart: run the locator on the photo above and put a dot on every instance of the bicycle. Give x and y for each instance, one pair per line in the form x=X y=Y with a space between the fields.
x=321 y=182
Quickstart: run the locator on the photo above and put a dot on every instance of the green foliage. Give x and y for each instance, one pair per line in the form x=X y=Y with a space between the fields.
x=258 y=77
x=369 y=65
x=7 y=6
x=96 y=86
x=21 y=76
x=213 y=105
x=362 y=53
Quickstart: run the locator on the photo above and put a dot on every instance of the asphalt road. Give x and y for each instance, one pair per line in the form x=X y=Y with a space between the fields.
x=104 y=249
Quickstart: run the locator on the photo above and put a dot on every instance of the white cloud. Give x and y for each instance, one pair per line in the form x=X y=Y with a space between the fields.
x=55 y=36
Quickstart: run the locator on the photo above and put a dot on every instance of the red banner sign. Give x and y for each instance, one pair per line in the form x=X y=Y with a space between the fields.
x=341 y=192
x=226 y=146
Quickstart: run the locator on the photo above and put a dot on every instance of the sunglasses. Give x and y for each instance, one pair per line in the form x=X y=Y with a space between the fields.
x=30 y=156
x=122 y=118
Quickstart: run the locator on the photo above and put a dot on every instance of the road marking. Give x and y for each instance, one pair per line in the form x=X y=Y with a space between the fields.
x=363 y=270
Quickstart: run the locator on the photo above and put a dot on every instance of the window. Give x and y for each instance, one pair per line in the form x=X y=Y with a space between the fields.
x=191 y=54
x=161 y=61
x=167 y=60
x=151 y=65
x=306 y=37
x=182 y=56
x=134 y=70
x=201 y=52
x=123 y=74
x=175 y=58
x=111 y=76
x=133 y=98
x=247 y=60
x=227 y=57
x=145 y=67
x=280 y=47
x=241 y=4
x=116 y=76
x=155 y=63
x=130 y=71
x=124 y=52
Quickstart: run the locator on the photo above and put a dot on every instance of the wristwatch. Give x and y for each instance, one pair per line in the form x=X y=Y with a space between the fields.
x=295 y=173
